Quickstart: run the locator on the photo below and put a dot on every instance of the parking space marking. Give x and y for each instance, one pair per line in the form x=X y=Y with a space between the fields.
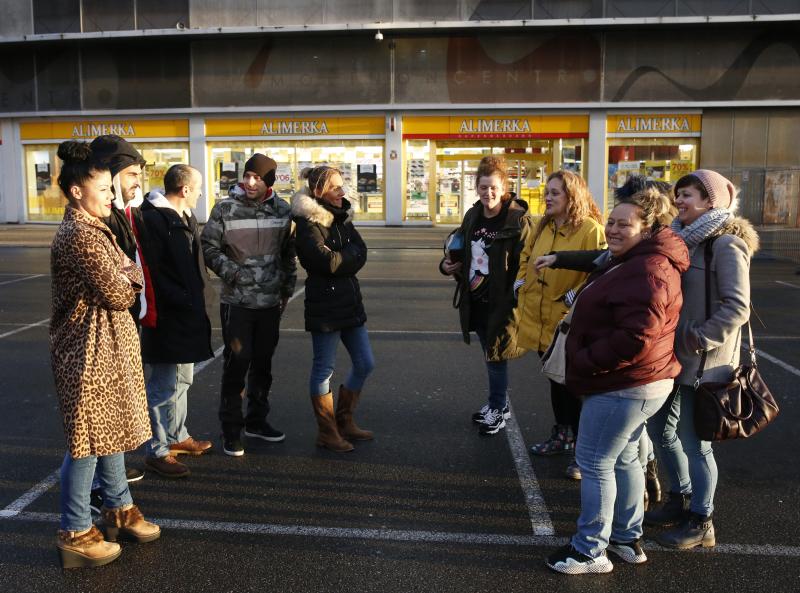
x=537 y=509
x=789 y=284
x=777 y=361
x=24 y=328
x=31 y=277
x=19 y=505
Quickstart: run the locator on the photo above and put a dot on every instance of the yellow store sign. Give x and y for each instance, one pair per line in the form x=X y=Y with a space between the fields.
x=322 y=126
x=490 y=126
x=643 y=124
x=89 y=129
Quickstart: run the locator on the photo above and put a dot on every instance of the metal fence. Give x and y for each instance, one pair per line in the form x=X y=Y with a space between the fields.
x=770 y=199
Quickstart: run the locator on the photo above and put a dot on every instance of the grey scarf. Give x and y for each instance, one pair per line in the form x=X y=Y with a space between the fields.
x=702 y=228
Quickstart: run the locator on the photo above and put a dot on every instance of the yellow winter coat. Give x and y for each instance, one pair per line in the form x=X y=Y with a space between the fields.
x=541 y=299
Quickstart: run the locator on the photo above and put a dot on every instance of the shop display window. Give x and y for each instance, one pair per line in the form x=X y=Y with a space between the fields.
x=661 y=159
x=440 y=174
x=361 y=164
x=45 y=203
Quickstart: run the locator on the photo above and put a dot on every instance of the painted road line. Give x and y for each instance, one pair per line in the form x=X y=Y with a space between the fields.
x=19 y=505
x=434 y=537
x=776 y=361
x=789 y=284
x=537 y=509
x=31 y=277
x=24 y=328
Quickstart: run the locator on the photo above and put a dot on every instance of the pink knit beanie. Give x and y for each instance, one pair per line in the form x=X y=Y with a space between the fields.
x=721 y=192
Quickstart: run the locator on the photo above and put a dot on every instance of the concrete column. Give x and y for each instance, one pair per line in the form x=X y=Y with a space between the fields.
x=596 y=161
x=12 y=182
x=393 y=175
x=197 y=159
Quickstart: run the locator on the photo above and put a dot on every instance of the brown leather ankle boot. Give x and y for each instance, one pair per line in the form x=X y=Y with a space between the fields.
x=348 y=400
x=328 y=435
x=85 y=549
x=128 y=523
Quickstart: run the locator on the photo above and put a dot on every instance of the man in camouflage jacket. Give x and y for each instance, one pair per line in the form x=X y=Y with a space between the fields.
x=248 y=242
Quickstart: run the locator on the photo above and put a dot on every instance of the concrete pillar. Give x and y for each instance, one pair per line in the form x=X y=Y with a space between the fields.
x=197 y=159
x=12 y=182
x=596 y=161
x=393 y=176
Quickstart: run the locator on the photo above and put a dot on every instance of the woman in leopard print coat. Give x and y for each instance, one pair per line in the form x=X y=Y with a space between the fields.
x=94 y=349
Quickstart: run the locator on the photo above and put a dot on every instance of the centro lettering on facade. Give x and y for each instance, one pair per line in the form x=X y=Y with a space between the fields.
x=654 y=124
x=285 y=128
x=90 y=130
x=494 y=126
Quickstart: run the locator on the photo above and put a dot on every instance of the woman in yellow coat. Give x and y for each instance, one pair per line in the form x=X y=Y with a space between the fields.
x=571 y=221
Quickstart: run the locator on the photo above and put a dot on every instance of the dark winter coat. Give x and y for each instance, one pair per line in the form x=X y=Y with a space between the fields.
x=332 y=252
x=174 y=257
x=623 y=325
x=504 y=252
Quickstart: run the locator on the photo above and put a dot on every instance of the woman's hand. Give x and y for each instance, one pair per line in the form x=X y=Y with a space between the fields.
x=450 y=268
x=544 y=261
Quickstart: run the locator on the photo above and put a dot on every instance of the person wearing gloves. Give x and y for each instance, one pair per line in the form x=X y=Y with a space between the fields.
x=181 y=335
x=332 y=252
x=248 y=242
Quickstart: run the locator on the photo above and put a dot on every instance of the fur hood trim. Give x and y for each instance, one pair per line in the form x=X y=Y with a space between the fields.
x=741 y=227
x=305 y=206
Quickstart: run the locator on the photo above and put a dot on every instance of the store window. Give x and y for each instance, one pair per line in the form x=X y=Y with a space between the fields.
x=45 y=202
x=361 y=163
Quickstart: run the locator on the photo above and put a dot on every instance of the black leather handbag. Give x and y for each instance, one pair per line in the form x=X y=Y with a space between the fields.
x=739 y=408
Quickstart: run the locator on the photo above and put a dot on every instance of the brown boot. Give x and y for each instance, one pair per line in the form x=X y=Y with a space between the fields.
x=128 y=523
x=84 y=549
x=348 y=400
x=328 y=435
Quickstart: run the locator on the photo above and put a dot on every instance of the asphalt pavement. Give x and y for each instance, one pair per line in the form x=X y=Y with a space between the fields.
x=428 y=506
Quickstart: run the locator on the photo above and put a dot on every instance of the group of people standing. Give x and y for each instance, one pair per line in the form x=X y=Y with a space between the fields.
x=636 y=291
x=124 y=264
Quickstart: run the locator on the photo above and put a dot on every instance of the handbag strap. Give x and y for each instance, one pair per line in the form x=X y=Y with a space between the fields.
x=708 y=255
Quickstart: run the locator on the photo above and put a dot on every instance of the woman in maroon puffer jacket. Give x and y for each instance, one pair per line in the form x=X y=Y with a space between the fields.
x=620 y=356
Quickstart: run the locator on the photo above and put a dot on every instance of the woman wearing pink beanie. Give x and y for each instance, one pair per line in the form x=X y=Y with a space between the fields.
x=706 y=203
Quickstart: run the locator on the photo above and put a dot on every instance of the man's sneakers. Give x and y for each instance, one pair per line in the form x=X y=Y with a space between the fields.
x=232 y=446
x=568 y=560
x=265 y=432
x=632 y=552
x=477 y=417
x=133 y=475
x=492 y=422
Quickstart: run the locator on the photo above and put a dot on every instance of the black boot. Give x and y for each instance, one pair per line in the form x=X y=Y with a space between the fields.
x=652 y=485
x=696 y=530
x=671 y=512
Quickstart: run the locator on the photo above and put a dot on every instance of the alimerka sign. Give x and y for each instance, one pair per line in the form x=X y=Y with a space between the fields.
x=493 y=126
x=661 y=124
x=86 y=130
x=281 y=127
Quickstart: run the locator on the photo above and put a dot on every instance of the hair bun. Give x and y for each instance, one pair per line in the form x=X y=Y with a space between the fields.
x=74 y=150
x=306 y=172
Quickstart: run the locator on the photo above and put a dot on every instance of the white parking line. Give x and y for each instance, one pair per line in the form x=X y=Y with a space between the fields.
x=789 y=284
x=24 y=328
x=777 y=361
x=19 y=505
x=31 y=277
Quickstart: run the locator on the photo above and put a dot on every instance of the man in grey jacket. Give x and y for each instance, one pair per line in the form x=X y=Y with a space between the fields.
x=248 y=242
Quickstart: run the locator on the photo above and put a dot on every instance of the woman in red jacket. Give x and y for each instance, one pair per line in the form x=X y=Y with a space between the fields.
x=620 y=358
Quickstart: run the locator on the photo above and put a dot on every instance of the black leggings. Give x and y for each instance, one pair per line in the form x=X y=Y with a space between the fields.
x=566 y=407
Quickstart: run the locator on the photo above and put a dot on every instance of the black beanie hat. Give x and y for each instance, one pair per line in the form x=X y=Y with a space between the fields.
x=262 y=166
x=115 y=152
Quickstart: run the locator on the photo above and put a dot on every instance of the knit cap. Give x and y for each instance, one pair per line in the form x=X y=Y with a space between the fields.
x=115 y=152
x=261 y=165
x=721 y=192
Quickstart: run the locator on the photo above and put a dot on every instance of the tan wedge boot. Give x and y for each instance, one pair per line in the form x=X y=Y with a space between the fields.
x=328 y=435
x=78 y=549
x=128 y=523
x=348 y=400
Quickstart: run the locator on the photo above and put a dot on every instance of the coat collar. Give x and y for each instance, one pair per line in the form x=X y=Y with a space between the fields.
x=305 y=206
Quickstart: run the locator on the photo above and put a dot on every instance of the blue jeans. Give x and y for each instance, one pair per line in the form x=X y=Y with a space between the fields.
x=688 y=461
x=167 y=389
x=646 y=453
x=612 y=484
x=356 y=340
x=498 y=376
x=76 y=485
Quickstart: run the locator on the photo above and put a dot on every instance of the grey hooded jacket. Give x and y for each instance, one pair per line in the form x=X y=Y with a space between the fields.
x=721 y=334
x=250 y=246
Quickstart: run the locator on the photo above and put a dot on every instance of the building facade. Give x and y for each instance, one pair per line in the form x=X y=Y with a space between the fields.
x=406 y=96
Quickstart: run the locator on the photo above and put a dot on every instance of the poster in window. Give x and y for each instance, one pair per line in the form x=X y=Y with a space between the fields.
x=43 y=180
x=777 y=197
x=367 y=179
x=228 y=175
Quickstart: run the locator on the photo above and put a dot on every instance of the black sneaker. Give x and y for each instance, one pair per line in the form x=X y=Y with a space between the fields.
x=477 y=417
x=568 y=560
x=492 y=422
x=95 y=502
x=232 y=446
x=265 y=432
x=133 y=475
x=632 y=552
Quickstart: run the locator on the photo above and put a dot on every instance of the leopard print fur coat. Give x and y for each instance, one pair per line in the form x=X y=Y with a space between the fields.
x=94 y=346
